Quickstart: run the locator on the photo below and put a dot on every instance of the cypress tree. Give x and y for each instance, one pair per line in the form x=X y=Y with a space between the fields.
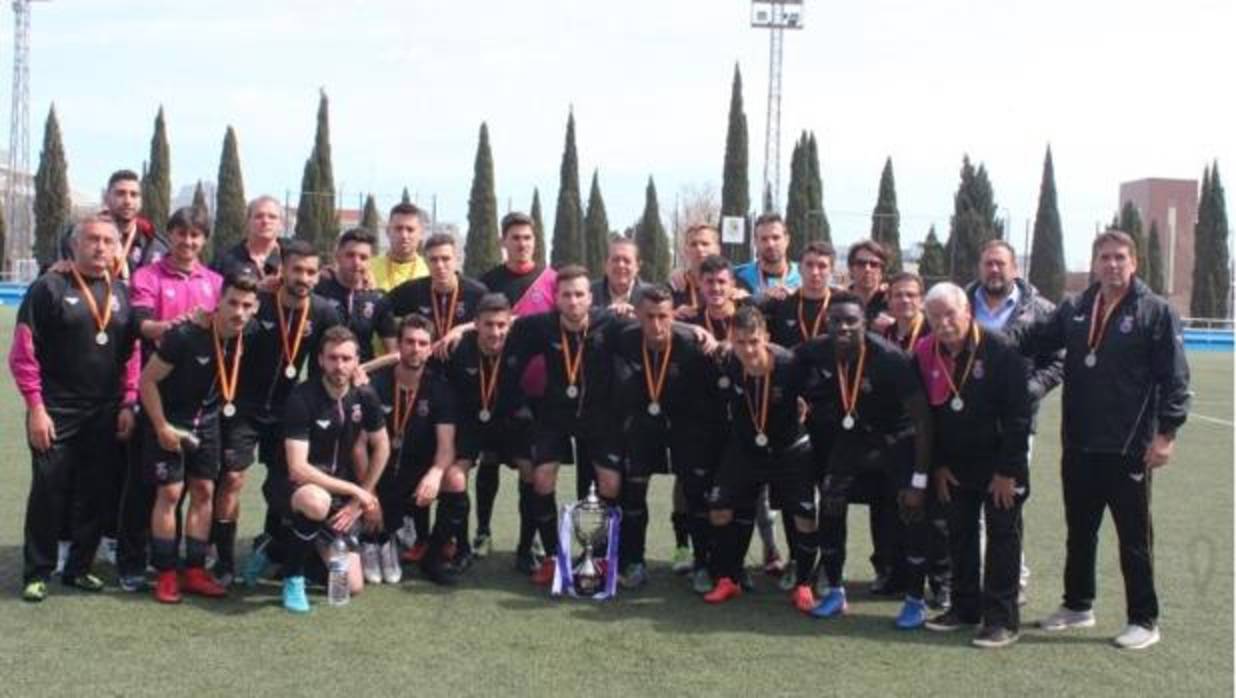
x=482 y=251
x=1130 y=221
x=886 y=219
x=650 y=237
x=817 y=229
x=596 y=229
x=51 y=193
x=538 y=227
x=770 y=206
x=973 y=222
x=933 y=265
x=735 y=189
x=568 y=247
x=1047 y=269
x=199 y=200
x=230 y=213
x=370 y=220
x=797 y=197
x=1154 y=260
x=405 y=199
x=317 y=196
x=1211 y=271
x=157 y=184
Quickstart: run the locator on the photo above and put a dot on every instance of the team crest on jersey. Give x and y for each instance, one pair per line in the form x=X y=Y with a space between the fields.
x=978 y=369
x=367 y=311
x=386 y=409
x=425 y=310
x=422 y=408
x=1126 y=325
x=205 y=287
x=115 y=304
x=308 y=327
x=356 y=413
x=160 y=471
x=866 y=385
x=791 y=322
x=470 y=371
x=511 y=361
x=169 y=292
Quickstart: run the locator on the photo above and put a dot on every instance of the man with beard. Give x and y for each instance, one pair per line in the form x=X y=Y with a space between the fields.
x=868 y=420
x=493 y=419
x=571 y=341
x=73 y=360
x=766 y=447
x=186 y=386
x=291 y=322
x=421 y=407
x=402 y=261
x=976 y=384
x=1003 y=301
x=166 y=295
x=772 y=269
x=365 y=311
x=328 y=425
x=258 y=254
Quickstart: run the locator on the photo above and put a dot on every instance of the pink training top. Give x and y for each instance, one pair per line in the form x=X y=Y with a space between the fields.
x=167 y=292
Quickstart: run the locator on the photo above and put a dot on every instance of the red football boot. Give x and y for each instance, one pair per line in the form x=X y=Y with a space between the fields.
x=802 y=598
x=416 y=553
x=725 y=590
x=544 y=575
x=198 y=581
x=167 y=587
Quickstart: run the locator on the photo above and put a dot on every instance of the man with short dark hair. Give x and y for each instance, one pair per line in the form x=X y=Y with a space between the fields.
x=187 y=387
x=772 y=269
x=74 y=361
x=767 y=446
x=402 y=261
x=866 y=261
x=800 y=316
x=976 y=384
x=1126 y=393
x=870 y=428
x=328 y=424
x=140 y=241
x=365 y=311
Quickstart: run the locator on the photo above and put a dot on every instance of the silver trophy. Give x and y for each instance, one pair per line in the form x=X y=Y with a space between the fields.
x=590 y=522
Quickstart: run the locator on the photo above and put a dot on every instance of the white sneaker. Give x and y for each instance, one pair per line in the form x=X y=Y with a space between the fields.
x=62 y=556
x=406 y=535
x=1137 y=637
x=1066 y=619
x=371 y=564
x=107 y=550
x=392 y=572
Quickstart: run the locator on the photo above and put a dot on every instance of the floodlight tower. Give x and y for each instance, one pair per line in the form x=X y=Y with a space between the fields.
x=19 y=193
x=775 y=16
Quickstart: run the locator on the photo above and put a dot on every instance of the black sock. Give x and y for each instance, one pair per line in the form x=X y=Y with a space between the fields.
x=195 y=552
x=299 y=545
x=832 y=537
x=545 y=510
x=487 y=481
x=682 y=528
x=223 y=535
x=701 y=538
x=527 y=523
x=420 y=520
x=631 y=542
x=461 y=530
x=744 y=522
x=803 y=550
x=452 y=517
x=163 y=553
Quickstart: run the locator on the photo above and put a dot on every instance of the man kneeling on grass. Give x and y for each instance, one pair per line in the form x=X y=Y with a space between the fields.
x=329 y=427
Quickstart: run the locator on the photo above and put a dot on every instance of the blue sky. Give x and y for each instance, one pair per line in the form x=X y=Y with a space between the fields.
x=1121 y=90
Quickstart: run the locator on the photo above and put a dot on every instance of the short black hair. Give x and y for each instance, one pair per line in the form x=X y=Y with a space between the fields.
x=360 y=235
x=848 y=298
x=241 y=281
x=294 y=248
x=656 y=293
x=871 y=246
x=571 y=272
x=123 y=176
x=515 y=218
x=767 y=219
x=493 y=303
x=406 y=209
x=338 y=334
x=820 y=248
x=189 y=218
x=749 y=318
x=416 y=321
x=715 y=264
x=439 y=240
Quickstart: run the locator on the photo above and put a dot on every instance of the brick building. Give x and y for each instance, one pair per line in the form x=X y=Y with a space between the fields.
x=1172 y=204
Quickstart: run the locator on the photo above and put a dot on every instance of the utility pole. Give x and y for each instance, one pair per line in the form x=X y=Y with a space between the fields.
x=775 y=16
x=19 y=193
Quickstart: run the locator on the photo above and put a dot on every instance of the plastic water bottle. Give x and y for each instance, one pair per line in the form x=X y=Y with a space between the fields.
x=338 y=593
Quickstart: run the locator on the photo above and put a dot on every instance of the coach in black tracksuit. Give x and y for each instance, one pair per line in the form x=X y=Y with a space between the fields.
x=1126 y=385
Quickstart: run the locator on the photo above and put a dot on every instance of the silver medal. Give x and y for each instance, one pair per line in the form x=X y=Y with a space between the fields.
x=572 y=391
x=957 y=404
x=1091 y=360
x=101 y=338
x=723 y=382
x=761 y=440
x=847 y=422
x=654 y=408
x=290 y=372
x=229 y=410
x=484 y=416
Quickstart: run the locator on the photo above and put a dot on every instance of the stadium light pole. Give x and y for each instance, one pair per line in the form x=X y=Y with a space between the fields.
x=776 y=16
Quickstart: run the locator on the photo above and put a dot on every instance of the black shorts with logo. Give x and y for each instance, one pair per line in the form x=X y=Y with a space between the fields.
x=162 y=467
x=787 y=473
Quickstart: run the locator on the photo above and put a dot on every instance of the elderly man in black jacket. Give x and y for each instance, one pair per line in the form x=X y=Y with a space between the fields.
x=1002 y=300
x=1126 y=393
